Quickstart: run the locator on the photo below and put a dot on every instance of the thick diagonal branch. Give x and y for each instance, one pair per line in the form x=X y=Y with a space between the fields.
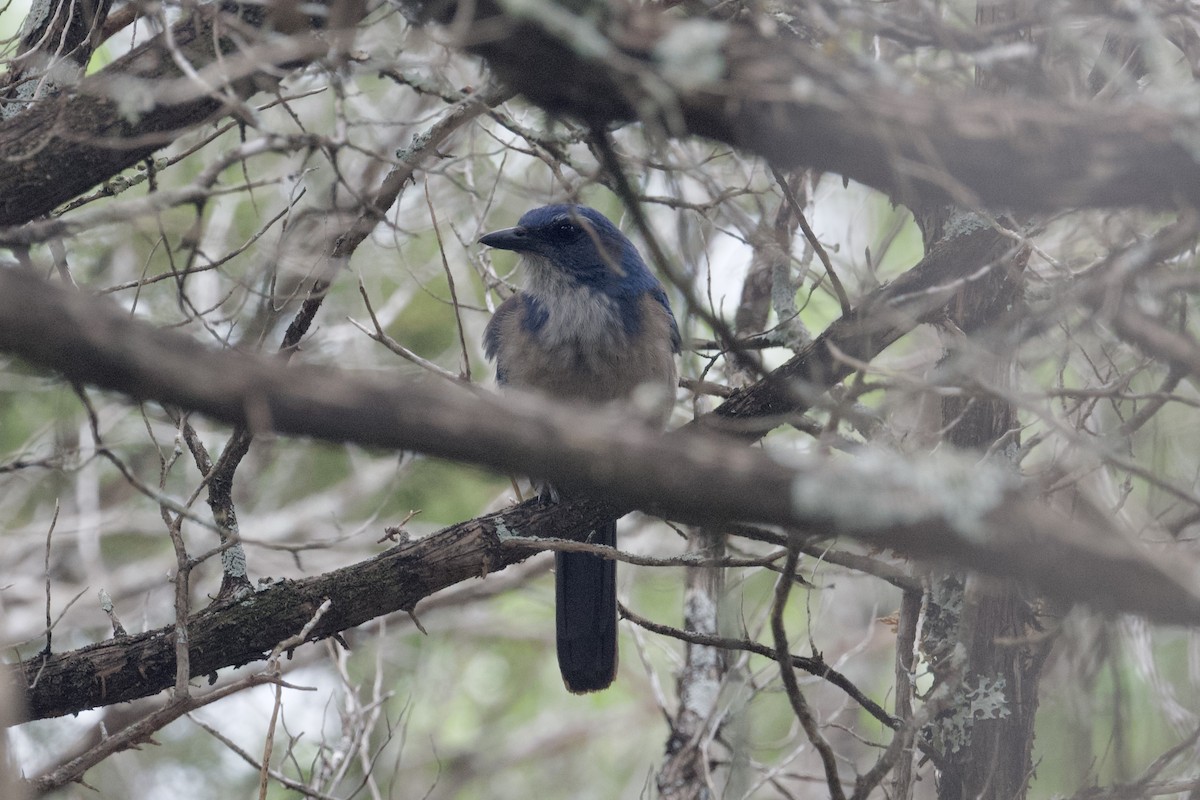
x=955 y=512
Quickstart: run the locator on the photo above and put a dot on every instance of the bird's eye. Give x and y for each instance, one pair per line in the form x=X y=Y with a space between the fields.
x=565 y=228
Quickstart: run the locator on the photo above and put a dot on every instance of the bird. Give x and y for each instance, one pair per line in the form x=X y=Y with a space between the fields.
x=590 y=324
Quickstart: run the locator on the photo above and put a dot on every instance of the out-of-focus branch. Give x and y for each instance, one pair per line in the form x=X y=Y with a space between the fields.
x=56 y=42
x=775 y=96
x=337 y=251
x=91 y=342
x=800 y=706
x=948 y=510
x=141 y=731
x=784 y=99
x=1111 y=291
x=879 y=319
x=685 y=773
x=810 y=664
x=63 y=145
x=690 y=477
x=1019 y=537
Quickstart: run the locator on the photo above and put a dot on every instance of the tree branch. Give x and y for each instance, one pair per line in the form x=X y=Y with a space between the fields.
x=949 y=510
x=775 y=96
x=65 y=144
x=786 y=100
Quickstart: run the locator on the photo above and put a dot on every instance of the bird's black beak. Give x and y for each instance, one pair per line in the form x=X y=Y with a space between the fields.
x=507 y=239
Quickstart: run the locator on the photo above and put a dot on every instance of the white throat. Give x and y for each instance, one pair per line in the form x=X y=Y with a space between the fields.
x=576 y=314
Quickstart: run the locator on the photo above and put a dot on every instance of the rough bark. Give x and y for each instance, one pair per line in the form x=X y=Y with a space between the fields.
x=986 y=646
x=234 y=633
x=67 y=143
x=93 y=342
x=1011 y=153
x=56 y=42
x=1017 y=153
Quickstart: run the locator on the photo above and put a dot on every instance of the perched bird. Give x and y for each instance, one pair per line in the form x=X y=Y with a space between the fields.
x=591 y=324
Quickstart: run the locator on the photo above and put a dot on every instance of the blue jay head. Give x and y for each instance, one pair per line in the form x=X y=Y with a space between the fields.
x=578 y=243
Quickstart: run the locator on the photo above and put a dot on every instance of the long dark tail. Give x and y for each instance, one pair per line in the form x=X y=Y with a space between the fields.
x=586 y=610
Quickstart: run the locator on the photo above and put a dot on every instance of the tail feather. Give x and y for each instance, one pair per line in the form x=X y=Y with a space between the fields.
x=586 y=611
